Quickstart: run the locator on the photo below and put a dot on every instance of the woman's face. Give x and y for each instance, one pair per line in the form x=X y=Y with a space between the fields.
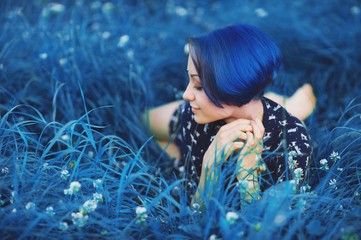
x=204 y=110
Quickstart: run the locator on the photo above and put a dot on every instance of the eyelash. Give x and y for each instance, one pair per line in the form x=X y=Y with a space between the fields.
x=198 y=88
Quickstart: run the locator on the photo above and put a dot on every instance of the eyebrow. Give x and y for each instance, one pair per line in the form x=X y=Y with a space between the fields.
x=194 y=75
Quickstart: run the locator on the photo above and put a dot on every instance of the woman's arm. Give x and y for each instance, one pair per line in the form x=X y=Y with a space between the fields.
x=157 y=120
x=240 y=134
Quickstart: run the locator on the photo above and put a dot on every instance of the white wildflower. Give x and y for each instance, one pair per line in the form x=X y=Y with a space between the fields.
x=324 y=164
x=108 y=7
x=123 y=40
x=105 y=35
x=141 y=214
x=97 y=183
x=95 y=5
x=232 y=217
x=334 y=156
x=63 y=226
x=74 y=187
x=65 y=137
x=79 y=219
x=340 y=169
x=280 y=219
x=181 y=11
x=90 y=206
x=332 y=183
x=43 y=55
x=30 y=206
x=213 y=237
x=53 y=8
x=64 y=174
x=260 y=12
x=63 y=61
x=91 y=154
x=14 y=210
x=50 y=211
x=130 y=54
x=5 y=170
x=355 y=10
x=98 y=197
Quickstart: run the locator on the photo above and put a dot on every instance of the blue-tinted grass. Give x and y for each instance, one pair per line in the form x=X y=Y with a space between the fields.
x=76 y=76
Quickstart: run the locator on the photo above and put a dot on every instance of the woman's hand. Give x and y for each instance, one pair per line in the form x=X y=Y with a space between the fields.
x=230 y=138
x=248 y=161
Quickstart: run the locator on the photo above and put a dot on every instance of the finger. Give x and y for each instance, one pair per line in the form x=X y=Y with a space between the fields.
x=257 y=130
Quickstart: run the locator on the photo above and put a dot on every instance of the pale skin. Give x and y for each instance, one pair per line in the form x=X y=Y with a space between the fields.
x=243 y=131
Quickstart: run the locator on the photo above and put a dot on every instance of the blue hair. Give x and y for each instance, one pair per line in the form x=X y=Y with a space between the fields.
x=235 y=63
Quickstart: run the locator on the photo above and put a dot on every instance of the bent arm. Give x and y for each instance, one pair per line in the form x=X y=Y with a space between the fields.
x=157 y=120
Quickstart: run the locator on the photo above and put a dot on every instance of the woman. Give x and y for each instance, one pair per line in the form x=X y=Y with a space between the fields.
x=226 y=116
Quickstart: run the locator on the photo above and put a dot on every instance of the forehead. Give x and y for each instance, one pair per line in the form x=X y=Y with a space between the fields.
x=190 y=66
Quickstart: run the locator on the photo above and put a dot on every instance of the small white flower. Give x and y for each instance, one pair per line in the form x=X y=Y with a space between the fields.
x=98 y=197
x=95 y=5
x=63 y=226
x=105 y=35
x=62 y=61
x=323 y=161
x=50 y=211
x=140 y=210
x=213 y=237
x=91 y=154
x=14 y=210
x=43 y=55
x=181 y=11
x=332 y=183
x=65 y=137
x=280 y=219
x=52 y=8
x=64 y=174
x=56 y=7
x=334 y=156
x=355 y=10
x=108 y=7
x=74 y=187
x=79 y=219
x=123 y=40
x=340 y=169
x=232 y=217
x=130 y=54
x=324 y=164
x=30 y=206
x=97 y=183
x=260 y=12
x=5 y=170
x=90 y=206
x=141 y=214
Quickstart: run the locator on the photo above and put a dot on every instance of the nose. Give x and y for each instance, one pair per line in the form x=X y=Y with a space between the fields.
x=188 y=94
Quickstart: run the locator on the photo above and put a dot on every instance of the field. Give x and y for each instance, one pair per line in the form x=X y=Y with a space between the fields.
x=76 y=161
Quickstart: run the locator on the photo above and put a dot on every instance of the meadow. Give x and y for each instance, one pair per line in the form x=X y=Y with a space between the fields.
x=76 y=162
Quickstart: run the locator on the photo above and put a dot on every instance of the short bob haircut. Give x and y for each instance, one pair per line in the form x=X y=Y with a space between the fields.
x=235 y=63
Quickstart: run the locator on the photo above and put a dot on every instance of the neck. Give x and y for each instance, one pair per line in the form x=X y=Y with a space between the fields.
x=252 y=110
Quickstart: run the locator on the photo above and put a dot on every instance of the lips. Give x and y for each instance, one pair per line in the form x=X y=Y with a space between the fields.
x=194 y=108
